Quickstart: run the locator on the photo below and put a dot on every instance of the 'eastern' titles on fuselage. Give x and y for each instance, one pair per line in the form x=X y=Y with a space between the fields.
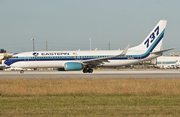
x=44 y=54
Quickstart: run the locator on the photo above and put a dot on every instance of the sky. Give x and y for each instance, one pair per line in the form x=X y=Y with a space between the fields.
x=68 y=24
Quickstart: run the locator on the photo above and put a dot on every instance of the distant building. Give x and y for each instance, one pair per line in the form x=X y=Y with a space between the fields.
x=168 y=61
x=174 y=54
x=2 y=55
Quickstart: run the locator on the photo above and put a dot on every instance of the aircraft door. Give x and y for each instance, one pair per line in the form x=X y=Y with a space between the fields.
x=139 y=56
x=26 y=62
x=26 y=59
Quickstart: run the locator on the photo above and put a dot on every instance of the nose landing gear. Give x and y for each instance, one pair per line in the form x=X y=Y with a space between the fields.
x=21 y=71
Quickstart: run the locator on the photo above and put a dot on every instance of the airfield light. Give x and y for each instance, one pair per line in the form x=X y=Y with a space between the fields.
x=33 y=44
x=90 y=43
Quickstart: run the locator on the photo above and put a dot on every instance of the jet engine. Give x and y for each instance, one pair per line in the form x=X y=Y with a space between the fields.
x=72 y=66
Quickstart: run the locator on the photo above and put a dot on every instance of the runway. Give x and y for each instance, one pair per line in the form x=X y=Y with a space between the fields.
x=96 y=74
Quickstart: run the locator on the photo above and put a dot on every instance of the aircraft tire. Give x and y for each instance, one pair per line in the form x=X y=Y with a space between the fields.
x=21 y=71
x=90 y=70
x=85 y=70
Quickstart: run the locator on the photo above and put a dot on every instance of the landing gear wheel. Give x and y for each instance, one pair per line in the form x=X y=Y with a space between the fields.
x=90 y=70
x=22 y=71
x=85 y=70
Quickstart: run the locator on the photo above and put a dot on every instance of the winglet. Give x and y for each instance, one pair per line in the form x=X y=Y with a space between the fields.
x=124 y=51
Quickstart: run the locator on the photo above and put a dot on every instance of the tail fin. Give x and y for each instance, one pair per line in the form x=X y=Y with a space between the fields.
x=154 y=40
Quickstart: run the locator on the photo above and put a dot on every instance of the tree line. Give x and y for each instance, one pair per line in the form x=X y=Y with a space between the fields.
x=2 y=51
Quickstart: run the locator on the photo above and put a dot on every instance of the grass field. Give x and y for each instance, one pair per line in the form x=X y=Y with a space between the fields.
x=90 y=97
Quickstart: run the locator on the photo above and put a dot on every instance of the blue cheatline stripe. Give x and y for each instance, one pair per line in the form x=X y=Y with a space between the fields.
x=65 y=58
x=151 y=48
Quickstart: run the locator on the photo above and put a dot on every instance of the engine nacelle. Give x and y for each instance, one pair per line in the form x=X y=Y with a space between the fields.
x=72 y=66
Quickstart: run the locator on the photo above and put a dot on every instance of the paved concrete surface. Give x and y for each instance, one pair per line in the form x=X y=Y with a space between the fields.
x=96 y=74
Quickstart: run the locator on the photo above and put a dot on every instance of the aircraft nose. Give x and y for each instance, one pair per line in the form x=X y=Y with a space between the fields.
x=8 y=62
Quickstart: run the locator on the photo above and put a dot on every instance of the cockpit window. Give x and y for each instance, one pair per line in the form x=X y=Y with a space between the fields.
x=15 y=57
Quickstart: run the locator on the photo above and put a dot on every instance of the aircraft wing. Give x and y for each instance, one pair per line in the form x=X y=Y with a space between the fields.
x=98 y=61
x=162 y=51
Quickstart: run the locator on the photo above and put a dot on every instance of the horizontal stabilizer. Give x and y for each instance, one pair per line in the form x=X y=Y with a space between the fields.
x=162 y=51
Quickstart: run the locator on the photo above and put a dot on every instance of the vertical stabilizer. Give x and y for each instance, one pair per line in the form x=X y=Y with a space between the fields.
x=154 y=40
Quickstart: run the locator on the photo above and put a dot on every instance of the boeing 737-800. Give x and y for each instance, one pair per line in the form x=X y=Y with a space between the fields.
x=86 y=60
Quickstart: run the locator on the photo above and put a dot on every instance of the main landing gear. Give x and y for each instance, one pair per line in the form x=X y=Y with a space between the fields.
x=89 y=70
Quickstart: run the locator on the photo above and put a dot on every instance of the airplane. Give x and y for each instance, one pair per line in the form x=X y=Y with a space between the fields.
x=87 y=60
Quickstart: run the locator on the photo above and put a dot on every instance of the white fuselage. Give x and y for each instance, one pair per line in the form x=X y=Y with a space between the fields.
x=57 y=59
